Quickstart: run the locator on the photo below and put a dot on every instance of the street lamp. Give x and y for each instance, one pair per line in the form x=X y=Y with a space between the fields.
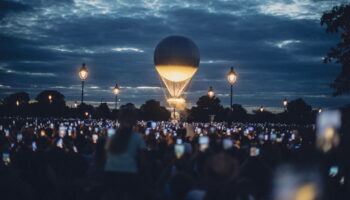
x=320 y=110
x=116 y=92
x=285 y=103
x=17 y=103
x=261 y=109
x=211 y=92
x=75 y=105
x=83 y=73
x=231 y=78
x=50 y=99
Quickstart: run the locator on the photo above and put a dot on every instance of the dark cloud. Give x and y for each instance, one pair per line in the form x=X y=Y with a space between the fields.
x=276 y=55
x=8 y=7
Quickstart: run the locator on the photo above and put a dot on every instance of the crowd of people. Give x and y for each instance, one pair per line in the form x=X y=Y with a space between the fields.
x=45 y=158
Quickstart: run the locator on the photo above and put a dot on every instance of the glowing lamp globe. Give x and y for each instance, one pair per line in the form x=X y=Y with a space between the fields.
x=232 y=76
x=116 y=90
x=83 y=72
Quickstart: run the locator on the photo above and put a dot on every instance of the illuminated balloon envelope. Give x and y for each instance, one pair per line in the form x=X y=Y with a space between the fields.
x=176 y=59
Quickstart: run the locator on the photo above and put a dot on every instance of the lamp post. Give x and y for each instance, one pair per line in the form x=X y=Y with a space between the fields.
x=50 y=98
x=75 y=105
x=261 y=109
x=285 y=103
x=116 y=92
x=211 y=92
x=83 y=73
x=231 y=78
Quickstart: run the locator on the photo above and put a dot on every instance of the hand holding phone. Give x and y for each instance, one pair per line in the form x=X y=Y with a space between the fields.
x=203 y=143
x=179 y=150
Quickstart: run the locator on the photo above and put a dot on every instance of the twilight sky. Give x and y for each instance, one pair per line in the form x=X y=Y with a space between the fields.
x=276 y=47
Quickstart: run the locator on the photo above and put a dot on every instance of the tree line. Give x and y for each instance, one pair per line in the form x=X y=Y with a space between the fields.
x=51 y=103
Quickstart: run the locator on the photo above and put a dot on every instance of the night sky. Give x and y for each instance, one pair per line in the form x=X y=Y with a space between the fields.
x=276 y=47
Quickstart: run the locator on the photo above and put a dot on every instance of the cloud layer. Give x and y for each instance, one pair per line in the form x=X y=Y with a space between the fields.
x=276 y=48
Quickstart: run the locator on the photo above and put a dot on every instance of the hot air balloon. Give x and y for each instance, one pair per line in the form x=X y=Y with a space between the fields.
x=176 y=59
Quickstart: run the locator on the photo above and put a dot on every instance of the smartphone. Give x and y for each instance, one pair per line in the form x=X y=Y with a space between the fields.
x=153 y=125
x=227 y=143
x=254 y=151
x=7 y=132
x=147 y=131
x=34 y=147
x=19 y=137
x=94 y=138
x=62 y=131
x=179 y=150
x=110 y=132
x=292 y=137
x=203 y=143
x=273 y=136
x=75 y=149
x=59 y=143
x=178 y=141
x=328 y=124
x=279 y=139
x=333 y=171
x=69 y=132
x=6 y=158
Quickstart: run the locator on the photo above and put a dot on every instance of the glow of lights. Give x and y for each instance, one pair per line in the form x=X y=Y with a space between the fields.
x=75 y=105
x=232 y=76
x=50 y=97
x=116 y=90
x=86 y=113
x=176 y=78
x=83 y=72
x=211 y=92
x=319 y=110
x=17 y=103
x=176 y=100
x=285 y=102
x=261 y=109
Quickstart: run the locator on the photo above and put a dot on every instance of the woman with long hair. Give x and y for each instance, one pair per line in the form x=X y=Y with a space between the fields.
x=123 y=153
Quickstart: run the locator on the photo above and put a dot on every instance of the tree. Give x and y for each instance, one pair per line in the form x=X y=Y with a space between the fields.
x=50 y=103
x=127 y=105
x=338 y=20
x=299 y=111
x=263 y=116
x=53 y=97
x=21 y=97
x=103 y=111
x=238 y=113
x=152 y=110
x=207 y=106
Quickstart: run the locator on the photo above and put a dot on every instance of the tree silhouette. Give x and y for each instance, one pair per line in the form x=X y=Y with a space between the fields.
x=152 y=110
x=238 y=113
x=299 y=111
x=127 y=105
x=50 y=103
x=263 y=116
x=337 y=21
x=21 y=97
x=103 y=111
x=207 y=106
x=51 y=97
